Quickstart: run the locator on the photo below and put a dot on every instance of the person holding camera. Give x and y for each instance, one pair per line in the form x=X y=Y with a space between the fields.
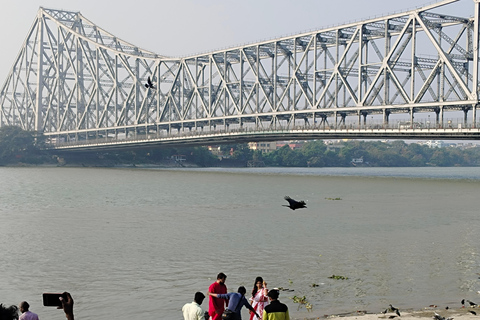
x=11 y=313
x=67 y=305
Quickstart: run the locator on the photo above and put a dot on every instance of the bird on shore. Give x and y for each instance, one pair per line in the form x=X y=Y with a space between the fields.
x=472 y=304
x=472 y=312
x=439 y=317
x=293 y=204
x=395 y=310
x=149 y=83
x=463 y=302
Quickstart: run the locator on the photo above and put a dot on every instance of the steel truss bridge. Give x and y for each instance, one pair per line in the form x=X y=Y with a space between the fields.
x=380 y=78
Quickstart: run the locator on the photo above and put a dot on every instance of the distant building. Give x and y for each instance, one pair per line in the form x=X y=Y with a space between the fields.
x=357 y=160
x=434 y=144
x=264 y=147
x=179 y=157
x=216 y=151
x=335 y=147
x=292 y=144
x=466 y=145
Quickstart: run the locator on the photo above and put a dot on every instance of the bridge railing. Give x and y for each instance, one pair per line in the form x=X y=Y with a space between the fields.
x=248 y=133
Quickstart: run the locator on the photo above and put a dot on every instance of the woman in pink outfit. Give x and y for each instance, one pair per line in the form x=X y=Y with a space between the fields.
x=259 y=298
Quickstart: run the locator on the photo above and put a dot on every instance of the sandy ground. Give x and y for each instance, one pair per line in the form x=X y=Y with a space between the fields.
x=427 y=313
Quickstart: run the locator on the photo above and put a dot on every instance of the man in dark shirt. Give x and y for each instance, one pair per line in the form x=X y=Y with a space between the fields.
x=275 y=310
x=236 y=300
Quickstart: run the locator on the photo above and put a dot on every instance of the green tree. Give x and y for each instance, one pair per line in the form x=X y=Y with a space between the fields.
x=18 y=145
x=202 y=157
x=242 y=152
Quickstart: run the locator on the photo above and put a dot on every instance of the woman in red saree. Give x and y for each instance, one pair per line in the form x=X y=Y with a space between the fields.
x=259 y=298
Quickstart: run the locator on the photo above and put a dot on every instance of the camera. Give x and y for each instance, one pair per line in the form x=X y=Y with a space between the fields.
x=53 y=299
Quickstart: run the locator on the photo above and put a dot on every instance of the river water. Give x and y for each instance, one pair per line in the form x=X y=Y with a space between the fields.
x=136 y=243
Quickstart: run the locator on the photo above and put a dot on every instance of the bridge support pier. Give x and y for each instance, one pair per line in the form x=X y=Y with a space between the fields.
x=324 y=120
x=474 y=116
x=343 y=116
x=386 y=114
x=364 y=114
x=439 y=117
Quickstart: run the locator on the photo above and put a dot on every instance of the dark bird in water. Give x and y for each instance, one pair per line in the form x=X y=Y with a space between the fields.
x=472 y=312
x=149 y=84
x=293 y=204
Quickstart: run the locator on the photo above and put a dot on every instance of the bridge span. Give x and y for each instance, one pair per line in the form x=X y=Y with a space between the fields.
x=244 y=135
x=408 y=75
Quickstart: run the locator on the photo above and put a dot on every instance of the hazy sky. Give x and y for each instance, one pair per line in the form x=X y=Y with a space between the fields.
x=184 y=27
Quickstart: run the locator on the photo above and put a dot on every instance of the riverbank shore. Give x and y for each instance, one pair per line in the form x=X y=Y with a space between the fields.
x=427 y=313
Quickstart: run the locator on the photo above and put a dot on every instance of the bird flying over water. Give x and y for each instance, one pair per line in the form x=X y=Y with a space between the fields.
x=149 y=83
x=293 y=204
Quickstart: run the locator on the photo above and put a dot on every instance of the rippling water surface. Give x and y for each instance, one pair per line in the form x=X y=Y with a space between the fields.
x=132 y=243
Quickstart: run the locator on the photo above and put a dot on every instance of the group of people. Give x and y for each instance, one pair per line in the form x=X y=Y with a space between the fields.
x=11 y=312
x=263 y=305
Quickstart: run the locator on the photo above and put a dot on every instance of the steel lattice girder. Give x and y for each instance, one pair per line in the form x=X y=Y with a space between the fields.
x=72 y=76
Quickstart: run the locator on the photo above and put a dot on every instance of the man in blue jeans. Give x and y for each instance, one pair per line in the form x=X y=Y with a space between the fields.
x=236 y=300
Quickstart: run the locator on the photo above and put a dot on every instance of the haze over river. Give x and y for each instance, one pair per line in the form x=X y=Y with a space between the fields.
x=138 y=243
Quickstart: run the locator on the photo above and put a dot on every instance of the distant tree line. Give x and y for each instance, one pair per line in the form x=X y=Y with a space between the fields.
x=373 y=153
x=25 y=147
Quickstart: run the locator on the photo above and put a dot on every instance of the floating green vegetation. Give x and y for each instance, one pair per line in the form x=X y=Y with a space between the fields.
x=302 y=302
x=338 y=277
x=334 y=198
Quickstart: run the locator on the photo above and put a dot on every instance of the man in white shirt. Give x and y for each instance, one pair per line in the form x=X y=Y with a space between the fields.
x=193 y=311
x=26 y=315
